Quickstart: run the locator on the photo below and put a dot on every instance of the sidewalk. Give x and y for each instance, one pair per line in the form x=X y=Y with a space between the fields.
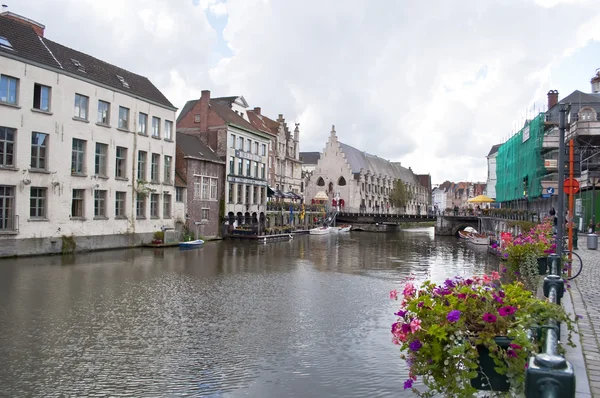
x=585 y=296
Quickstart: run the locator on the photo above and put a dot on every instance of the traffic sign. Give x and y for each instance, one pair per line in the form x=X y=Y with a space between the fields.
x=571 y=186
x=550 y=191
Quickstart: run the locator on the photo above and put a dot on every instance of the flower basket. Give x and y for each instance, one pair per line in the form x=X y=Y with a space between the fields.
x=487 y=377
x=469 y=334
x=542 y=265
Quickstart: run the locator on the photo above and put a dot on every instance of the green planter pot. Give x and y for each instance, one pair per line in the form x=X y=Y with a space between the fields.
x=497 y=382
x=542 y=265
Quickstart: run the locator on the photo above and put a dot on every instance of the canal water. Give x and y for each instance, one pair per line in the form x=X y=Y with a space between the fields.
x=306 y=318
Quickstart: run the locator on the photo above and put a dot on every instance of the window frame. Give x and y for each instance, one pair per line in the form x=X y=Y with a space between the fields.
x=8 y=80
x=38 y=211
x=6 y=144
x=120 y=204
x=167 y=205
x=78 y=157
x=121 y=162
x=36 y=149
x=142 y=161
x=100 y=160
x=155 y=168
x=100 y=196
x=78 y=106
x=123 y=123
x=167 y=169
x=79 y=199
x=154 y=204
x=103 y=117
x=168 y=130
x=155 y=127
x=7 y=207
x=144 y=130
x=40 y=99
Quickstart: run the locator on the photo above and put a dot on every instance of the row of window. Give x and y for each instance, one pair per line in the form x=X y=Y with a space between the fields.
x=250 y=146
x=39 y=157
x=9 y=88
x=38 y=205
x=205 y=188
x=246 y=194
x=246 y=168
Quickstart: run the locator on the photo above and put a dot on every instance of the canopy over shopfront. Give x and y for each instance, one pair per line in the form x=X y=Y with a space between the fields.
x=480 y=199
x=321 y=195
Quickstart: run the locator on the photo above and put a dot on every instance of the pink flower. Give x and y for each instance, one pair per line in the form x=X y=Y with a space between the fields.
x=409 y=290
x=394 y=295
x=495 y=275
x=415 y=325
x=486 y=279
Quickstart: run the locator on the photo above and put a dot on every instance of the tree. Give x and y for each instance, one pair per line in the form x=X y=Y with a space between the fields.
x=400 y=196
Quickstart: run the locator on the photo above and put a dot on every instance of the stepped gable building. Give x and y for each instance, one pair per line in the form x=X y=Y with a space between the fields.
x=362 y=181
x=285 y=167
x=87 y=149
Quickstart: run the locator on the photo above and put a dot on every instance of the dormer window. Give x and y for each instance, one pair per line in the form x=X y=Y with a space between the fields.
x=78 y=65
x=123 y=82
x=196 y=118
x=4 y=43
x=587 y=114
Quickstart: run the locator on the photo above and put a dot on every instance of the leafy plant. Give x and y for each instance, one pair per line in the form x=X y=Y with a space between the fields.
x=441 y=328
x=68 y=244
x=142 y=188
x=400 y=196
x=158 y=235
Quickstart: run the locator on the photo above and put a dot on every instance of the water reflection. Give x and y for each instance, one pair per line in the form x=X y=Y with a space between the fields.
x=308 y=317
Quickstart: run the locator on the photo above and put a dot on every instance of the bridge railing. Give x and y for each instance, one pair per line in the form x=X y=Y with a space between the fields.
x=381 y=211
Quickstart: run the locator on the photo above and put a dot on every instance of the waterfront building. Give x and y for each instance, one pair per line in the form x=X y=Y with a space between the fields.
x=285 y=167
x=363 y=182
x=309 y=163
x=203 y=172
x=86 y=148
x=490 y=186
x=222 y=124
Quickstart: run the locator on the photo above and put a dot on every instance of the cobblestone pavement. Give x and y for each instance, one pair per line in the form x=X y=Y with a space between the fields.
x=585 y=294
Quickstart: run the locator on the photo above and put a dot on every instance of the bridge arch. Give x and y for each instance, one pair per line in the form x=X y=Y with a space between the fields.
x=460 y=227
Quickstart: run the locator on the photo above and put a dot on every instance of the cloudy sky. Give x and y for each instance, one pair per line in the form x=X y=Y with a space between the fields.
x=433 y=84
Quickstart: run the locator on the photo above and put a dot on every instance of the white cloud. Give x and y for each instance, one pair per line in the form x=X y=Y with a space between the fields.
x=432 y=84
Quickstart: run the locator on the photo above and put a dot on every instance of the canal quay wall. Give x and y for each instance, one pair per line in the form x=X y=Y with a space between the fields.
x=54 y=245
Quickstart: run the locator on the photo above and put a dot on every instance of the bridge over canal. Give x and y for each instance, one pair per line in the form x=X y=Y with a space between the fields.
x=378 y=222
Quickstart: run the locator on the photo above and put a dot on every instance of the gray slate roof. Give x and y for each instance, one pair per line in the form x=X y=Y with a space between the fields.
x=193 y=146
x=376 y=165
x=494 y=149
x=27 y=45
x=310 y=157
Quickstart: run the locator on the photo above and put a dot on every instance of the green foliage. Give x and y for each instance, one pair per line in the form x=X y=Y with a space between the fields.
x=440 y=327
x=400 y=196
x=158 y=235
x=142 y=188
x=68 y=244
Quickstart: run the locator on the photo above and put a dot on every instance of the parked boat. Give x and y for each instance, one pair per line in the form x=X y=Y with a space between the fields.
x=346 y=228
x=478 y=239
x=192 y=243
x=464 y=234
x=320 y=231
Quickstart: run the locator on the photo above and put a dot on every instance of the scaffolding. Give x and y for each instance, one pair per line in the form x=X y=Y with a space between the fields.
x=519 y=165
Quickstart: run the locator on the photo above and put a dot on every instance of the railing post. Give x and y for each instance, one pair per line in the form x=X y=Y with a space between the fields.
x=549 y=374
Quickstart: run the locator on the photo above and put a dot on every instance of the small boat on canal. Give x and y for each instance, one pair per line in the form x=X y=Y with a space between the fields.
x=464 y=234
x=479 y=239
x=320 y=231
x=191 y=243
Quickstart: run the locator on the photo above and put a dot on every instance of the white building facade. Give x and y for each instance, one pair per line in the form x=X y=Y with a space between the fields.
x=84 y=157
x=490 y=187
x=363 y=181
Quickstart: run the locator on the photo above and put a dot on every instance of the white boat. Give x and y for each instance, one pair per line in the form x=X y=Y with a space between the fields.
x=478 y=239
x=191 y=243
x=320 y=231
x=345 y=229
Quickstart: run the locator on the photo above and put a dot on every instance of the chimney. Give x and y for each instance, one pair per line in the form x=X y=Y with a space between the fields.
x=203 y=106
x=257 y=110
x=552 y=98
x=596 y=82
x=36 y=26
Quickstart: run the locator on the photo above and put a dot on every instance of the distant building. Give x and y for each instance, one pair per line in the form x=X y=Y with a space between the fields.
x=490 y=187
x=285 y=167
x=87 y=149
x=364 y=181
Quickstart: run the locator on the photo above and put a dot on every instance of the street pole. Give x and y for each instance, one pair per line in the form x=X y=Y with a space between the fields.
x=562 y=125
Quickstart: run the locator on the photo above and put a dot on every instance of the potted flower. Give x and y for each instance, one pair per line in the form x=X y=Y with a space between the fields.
x=469 y=334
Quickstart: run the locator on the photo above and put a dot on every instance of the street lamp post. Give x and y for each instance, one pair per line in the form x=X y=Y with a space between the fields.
x=562 y=125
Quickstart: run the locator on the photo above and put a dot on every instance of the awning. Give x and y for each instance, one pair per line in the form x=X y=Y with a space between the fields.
x=321 y=195
x=292 y=195
x=278 y=194
x=270 y=192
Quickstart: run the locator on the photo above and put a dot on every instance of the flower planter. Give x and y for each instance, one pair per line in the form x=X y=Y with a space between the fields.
x=542 y=265
x=487 y=378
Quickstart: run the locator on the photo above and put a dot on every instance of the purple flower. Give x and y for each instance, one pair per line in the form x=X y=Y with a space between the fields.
x=453 y=316
x=449 y=283
x=400 y=313
x=420 y=304
x=408 y=384
x=579 y=316
x=469 y=282
x=405 y=328
x=461 y=296
x=415 y=345
x=511 y=353
x=508 y=310
x=490 y=318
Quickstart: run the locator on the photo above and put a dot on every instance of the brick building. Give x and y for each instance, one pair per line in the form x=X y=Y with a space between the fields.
x=202 y=171
x=223 y=126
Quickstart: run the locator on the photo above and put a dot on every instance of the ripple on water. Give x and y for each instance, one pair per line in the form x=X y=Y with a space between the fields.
x=308 y=317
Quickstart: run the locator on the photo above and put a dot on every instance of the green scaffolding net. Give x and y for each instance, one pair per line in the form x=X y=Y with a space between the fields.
x=519 y=165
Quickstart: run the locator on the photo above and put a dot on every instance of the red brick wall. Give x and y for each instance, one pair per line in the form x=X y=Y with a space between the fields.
x=195 y=205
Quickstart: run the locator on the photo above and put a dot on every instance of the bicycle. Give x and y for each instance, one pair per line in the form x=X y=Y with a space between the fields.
x=572 y=262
